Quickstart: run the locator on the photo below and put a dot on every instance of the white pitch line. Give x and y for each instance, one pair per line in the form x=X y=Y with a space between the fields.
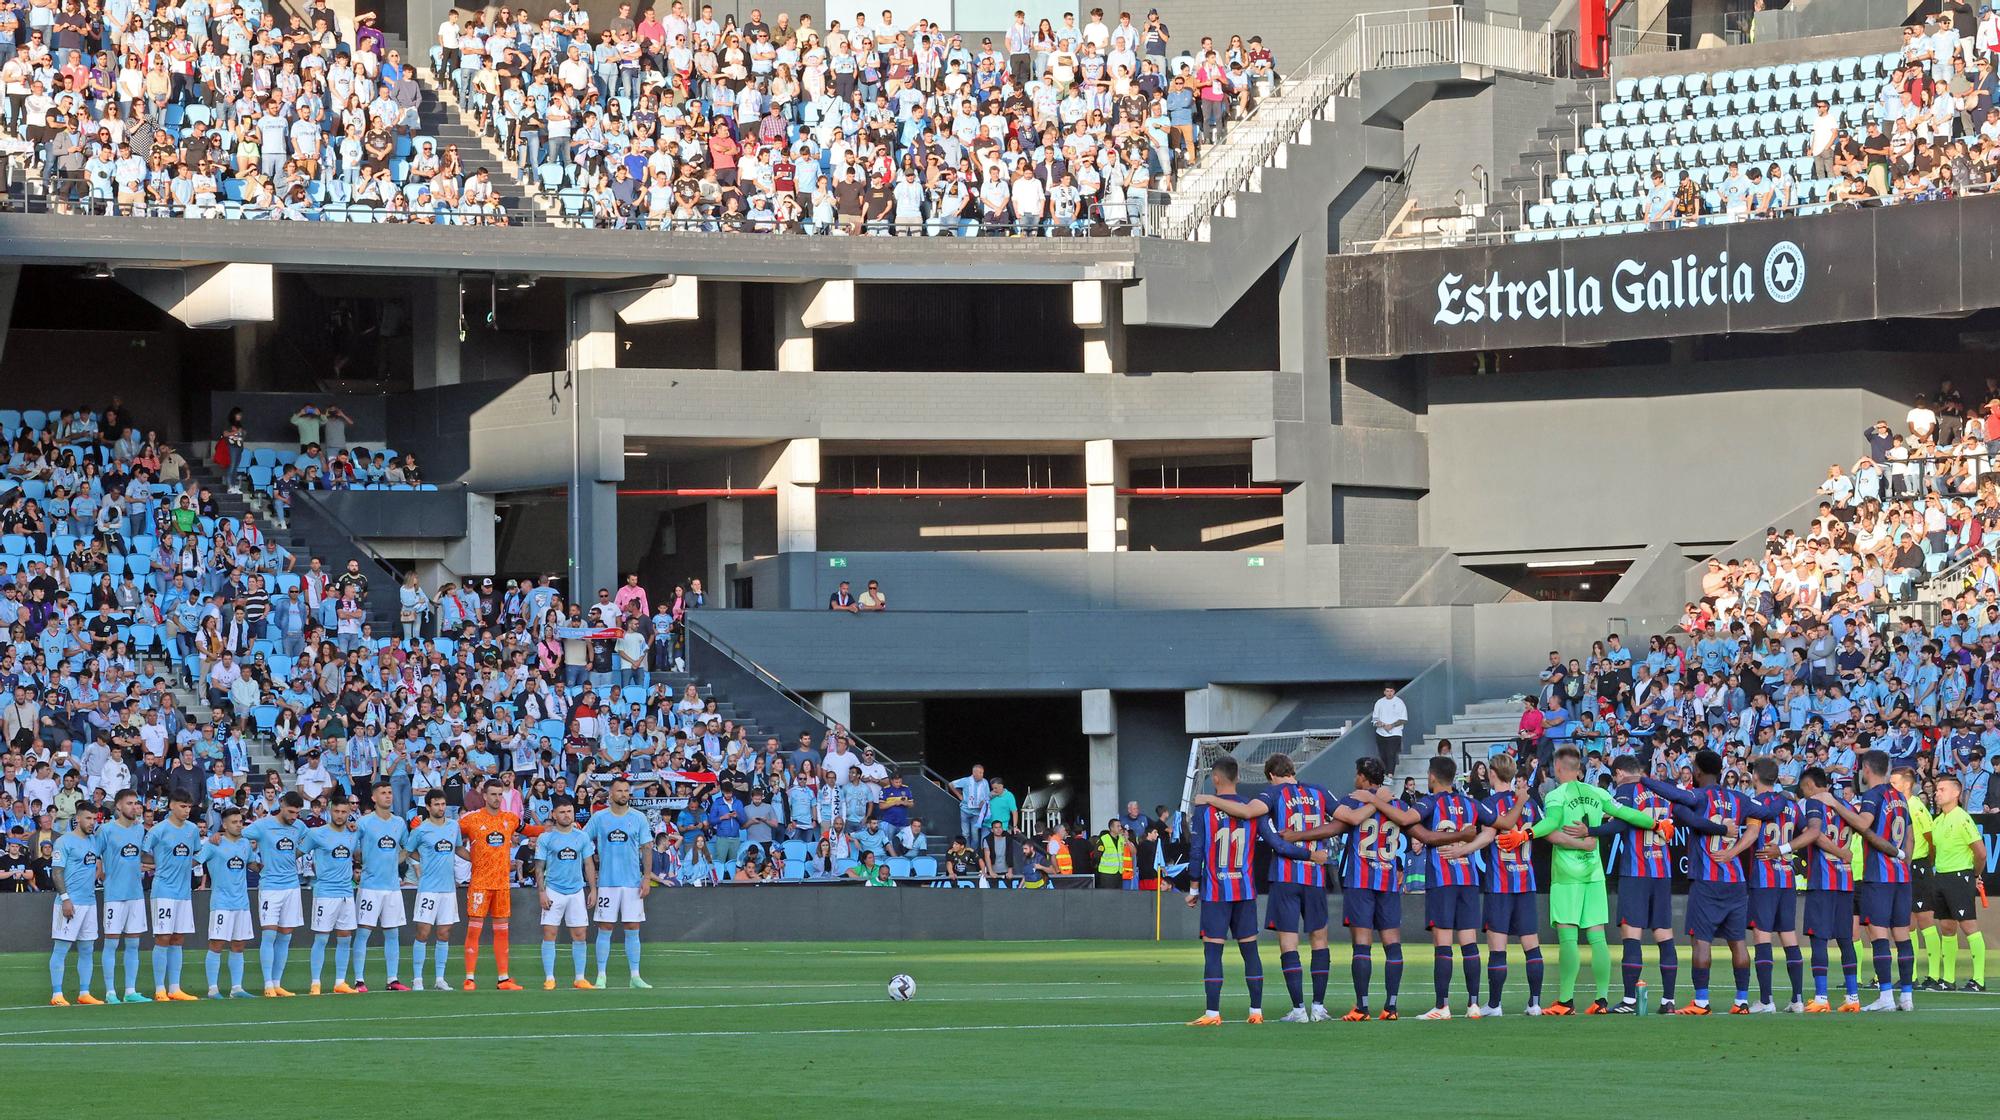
x=628 y=1009
x=551 y=1037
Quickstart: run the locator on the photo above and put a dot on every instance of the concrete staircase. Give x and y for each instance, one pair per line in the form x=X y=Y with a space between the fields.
x=1481 y=722
x=445 y=119
x=1526 y=183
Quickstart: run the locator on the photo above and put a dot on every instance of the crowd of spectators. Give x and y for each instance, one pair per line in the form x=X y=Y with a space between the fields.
x=667 y=119
x=673 y=119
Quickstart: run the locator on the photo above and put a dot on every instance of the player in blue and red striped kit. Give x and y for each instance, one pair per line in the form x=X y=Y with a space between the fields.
x=1222 y=853
x=1297 y=900
x=1511 y=910
x=1451 y=884
x=1829 y=890
x=1645 y=866
x=1883 y=896
x=1774 y=895
x=1718 y=902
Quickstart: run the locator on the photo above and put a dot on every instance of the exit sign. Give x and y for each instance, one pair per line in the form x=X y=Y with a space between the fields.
x=1256 y=561
x=836 y=561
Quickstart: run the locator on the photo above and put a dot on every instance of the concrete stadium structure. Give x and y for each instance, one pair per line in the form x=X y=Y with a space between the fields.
x=1220 y=483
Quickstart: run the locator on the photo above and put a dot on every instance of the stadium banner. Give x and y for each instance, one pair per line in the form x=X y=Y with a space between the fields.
x=1843 y=266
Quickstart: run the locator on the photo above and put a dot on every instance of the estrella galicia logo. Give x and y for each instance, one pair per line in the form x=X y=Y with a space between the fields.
x=1784 y=272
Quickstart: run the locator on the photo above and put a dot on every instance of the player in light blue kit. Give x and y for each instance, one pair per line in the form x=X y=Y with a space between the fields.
x=333 y=847
x=434 y=842
x=74 y=869
x=620 y=834
x=568 y=884
x=226 y=857
x=379 y=902
x=169 y=851
x=121 y=843
x=277 y=839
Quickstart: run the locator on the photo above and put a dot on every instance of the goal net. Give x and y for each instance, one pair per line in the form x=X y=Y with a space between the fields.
x=1250 y=751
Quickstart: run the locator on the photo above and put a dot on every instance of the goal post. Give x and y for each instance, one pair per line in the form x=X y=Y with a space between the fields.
x=1250 y=751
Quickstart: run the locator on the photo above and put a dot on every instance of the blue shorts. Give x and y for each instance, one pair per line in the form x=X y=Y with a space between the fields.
x=1361 y=908
x=1451 y=907
x=1886 y=905
x=1774 y=909
x=1645 y=903
x=1295 y=908
x=1229 y=921
x=1514 y=915
x=1829 y=915
x=1717 y=911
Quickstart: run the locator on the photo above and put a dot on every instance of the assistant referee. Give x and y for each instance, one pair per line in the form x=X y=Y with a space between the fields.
x=1958 y=856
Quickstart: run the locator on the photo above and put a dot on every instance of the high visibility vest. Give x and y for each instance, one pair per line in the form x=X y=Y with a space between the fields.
x=1130 y=870
x=1110 y=861
x=1064 y=865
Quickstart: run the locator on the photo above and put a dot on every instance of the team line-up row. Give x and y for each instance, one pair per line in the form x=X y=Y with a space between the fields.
x=588 y=874
x=1884 y=865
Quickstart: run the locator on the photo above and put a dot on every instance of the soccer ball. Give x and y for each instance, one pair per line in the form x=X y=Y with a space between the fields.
x=901 y=987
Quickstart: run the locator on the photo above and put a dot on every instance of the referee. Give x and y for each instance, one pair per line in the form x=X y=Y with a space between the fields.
x=1923 y=918
x=1959 y=854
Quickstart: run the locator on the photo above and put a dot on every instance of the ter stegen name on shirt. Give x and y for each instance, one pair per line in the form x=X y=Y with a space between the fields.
x=1634 y=285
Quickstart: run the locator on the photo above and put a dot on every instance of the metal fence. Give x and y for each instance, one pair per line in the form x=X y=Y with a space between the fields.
x=1627 y=41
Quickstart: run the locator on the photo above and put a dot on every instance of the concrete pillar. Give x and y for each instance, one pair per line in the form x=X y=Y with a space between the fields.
x=215 y=295
x=593 y=512
x=596 y=556
x=795 y=476
x=10 y=282
x=838 y=706
x=724 y=303
x=1104 y=471
x=803 y=309
x=1308 y=506
x=596 y=337
x=245 y=354
x=434 y=333
x=1100 y=724
x=1097 y=307
x=725 y=545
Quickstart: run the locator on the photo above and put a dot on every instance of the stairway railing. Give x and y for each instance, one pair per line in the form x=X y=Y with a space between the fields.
x=1371 y=41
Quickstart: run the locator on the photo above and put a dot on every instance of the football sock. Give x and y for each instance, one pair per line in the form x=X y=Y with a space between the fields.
x=1884 y=954
x=360 y=941
x=1741 y=974
x=1211 y=975
x=500 y=951
x=632 y=951
x=1322 y=966
x=132 y=963
x=1534 y=969
x=1906 y=964
x=1795 y=971
x=1441 y=973
x=1362 y=967
x=175 y=961
x=1927 y=946
x=603 y=950
x=549 y=958
x=281 y=951
x=1496 y=977
x=1670 y=969
x=1850 y=966
x=214 y=963
x=1975 y=943
x=392 y=952
x=111 y=966
x=472 y=932
x=86 y=965
x=440 y=957
x=1288 y=963
x=1468 y=963
x=1635 y=966
x=343 y=954
x=1253 y=972
x=1600 y=963
x=1764 y=966
x=235 y=969
x=161 y=955
x=418 y=950
x=1569 y=964
x=318 y=958
x=58 y=964
x=1392 y=974
x=1701 y=983
x=1947 y=965
x=1819 y=966
x=267 y=947
x=579 y=956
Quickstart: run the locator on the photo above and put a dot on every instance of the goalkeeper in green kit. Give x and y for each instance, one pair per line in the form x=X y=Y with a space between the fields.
x=1576 y=889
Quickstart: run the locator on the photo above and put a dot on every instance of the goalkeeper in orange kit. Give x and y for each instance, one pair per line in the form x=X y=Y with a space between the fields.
x=488 y=844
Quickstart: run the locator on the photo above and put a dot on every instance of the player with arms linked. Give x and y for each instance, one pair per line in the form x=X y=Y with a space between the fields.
x=1882 y=819
x=1829 y=891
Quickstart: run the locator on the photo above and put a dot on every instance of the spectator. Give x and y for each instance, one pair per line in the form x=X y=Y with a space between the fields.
x=1000 y=856
x=843 y=600
x=974 y=797
x=1389 y=717
x=873 y=599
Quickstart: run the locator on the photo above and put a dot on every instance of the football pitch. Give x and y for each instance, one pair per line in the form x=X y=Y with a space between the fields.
x=996 y=1029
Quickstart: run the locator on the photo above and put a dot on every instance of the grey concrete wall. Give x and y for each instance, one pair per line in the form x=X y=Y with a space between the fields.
x=1476 y=126
x=1050 y=581
x=1152 y=748
x=411 y=514
x=1627 y=457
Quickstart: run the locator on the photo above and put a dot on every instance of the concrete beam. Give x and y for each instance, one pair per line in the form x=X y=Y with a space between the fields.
x=434 y=331
x=1225 y=709
x=1097 y=307
x=795 y=476
x=1104 y=471
x=215 y=295
x=838 y=706
x=803 y=309
x=675 y=301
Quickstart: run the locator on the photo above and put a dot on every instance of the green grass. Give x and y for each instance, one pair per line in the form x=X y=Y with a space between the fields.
x=997 y=1029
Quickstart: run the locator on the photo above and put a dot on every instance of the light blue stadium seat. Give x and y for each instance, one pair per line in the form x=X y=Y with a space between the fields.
x=923 y=867
x=10 y=420
x=1628 y=184
x=1657 y=134
x=899 y=868
x=1649 y=87
x=1650 y=111
x=1538 y=217
x=1583 y=213
x=1601 y=186
x=35 y=419
x=1559 y=189
x=794 y=872
x=1621 y=161
x=1626 y=88
x=1599 y=162
x=1672 y=84
x=1683 y=131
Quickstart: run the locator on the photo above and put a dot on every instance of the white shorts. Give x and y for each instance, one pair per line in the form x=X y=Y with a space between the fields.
x=124 y=917
x=619 y=904
x=380 y=909
x=565 y=910
x=280 y=908
x=437 y=908
x=172 y=915
x=230 y=925
x=330 y=914
x=81 y=926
